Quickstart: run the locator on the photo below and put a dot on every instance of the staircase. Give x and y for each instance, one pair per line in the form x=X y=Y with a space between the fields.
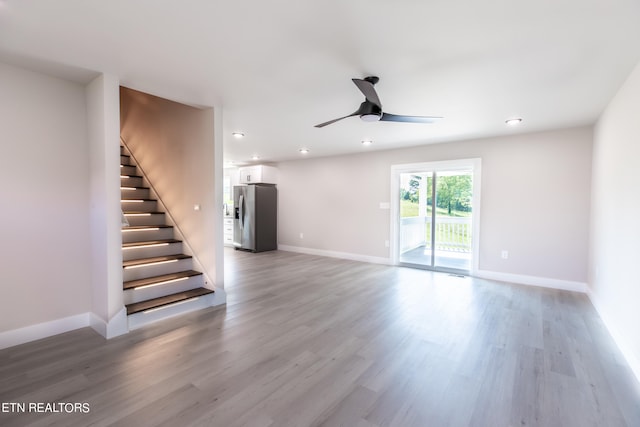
x=159 y=279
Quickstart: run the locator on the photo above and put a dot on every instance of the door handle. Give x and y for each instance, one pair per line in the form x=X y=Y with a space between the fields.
x=241 y=203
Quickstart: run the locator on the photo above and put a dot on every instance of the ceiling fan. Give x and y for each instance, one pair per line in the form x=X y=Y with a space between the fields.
x=371 y=109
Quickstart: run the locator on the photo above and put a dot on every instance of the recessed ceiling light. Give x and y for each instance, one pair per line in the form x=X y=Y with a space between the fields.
x=304 y=150
x=513 y=122
x=255 y=157
x=367 y=142
x=238 y=135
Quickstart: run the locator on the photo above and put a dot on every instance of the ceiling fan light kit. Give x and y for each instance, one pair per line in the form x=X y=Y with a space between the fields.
x=370 y=117
x=371 y=109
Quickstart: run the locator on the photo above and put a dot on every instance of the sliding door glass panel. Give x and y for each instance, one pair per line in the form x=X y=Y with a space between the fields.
x=416 y=214
x=452 y=230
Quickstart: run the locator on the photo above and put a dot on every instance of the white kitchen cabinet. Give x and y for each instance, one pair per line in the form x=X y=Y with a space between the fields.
x=258 y=174
x=228 y=231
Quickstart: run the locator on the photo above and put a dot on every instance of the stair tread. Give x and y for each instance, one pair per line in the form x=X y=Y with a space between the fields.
x=166 y=300
x=144 y=200
x=143 y=212
x=150 y=242
x=163 y=278
x=141 y=261
x=127 y=195
x=132 y=176
x=137 y=188
x=144 y=227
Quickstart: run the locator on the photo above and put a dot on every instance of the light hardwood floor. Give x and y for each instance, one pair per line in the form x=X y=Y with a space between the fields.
x=312 y=341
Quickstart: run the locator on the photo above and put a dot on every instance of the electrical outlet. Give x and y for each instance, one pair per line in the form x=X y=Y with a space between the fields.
x=302 y=235
x=505 y=254
x=386 y=243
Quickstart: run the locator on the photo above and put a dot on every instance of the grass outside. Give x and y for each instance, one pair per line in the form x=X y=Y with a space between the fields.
x=409 y=208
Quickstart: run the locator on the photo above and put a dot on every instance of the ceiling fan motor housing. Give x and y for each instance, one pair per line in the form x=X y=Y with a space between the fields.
x=369 y=112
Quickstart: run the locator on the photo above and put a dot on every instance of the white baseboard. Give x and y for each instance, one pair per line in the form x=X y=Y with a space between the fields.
x=521 y=279
x=544 y=282
x=118 y=325
x=115 y=327
x=43 y=330
x=623 y=346
x=335 y=254
x=219 y=297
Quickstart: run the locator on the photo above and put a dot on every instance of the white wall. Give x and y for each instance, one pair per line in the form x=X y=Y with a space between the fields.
x=615 y=228
x=44 y=185
x=174 y=144
x=535 y=201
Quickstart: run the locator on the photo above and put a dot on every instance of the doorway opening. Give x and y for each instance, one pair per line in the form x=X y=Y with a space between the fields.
x=436 y=215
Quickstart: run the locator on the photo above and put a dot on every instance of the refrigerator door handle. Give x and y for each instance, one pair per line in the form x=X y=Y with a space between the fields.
x=241 y=203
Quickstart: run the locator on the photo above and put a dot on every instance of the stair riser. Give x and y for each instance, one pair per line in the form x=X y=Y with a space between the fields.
x=138 y=320
x=154 y=219
x=137 y=295
x=146 y=206
x=156 y=270
x=131 y=182
x=146 y=252
x=145 y=236
x=141 y=193
x=128 y=170
x=124 y=160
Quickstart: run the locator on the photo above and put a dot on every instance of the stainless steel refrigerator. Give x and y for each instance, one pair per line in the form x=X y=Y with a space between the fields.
x=255 y=224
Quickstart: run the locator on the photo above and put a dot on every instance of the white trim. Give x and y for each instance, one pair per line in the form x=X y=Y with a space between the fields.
x=335 y=254
x=115 y=327
x=43 y=330
x=544 y=282
x=623 y=345
x=460 y=164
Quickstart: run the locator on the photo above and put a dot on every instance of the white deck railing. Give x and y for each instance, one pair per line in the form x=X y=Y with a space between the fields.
x=452 y=233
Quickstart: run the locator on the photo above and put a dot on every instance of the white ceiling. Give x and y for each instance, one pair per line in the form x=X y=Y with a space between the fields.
x=279 y=67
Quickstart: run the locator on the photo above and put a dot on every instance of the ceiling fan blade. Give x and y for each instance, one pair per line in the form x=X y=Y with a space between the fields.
x=335 y=120
x=369 y=92
x=386 y=117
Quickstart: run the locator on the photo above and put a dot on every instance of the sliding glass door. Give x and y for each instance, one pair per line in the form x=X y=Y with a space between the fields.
x=436 y=211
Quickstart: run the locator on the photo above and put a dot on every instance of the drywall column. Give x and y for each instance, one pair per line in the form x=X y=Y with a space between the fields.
x=108 y=315
x=218 y=199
